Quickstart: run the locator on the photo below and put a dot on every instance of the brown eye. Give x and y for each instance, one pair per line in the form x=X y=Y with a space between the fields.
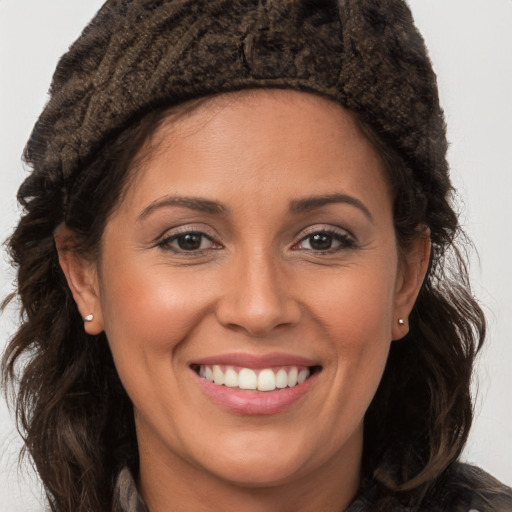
x=320 y=242
x=326 y=241
x=188 y=242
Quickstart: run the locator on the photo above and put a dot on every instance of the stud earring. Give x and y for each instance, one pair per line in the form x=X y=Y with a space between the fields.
x=401 y=321
x=89 y=318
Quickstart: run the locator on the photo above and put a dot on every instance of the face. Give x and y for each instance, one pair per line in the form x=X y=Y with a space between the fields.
x=254 y=248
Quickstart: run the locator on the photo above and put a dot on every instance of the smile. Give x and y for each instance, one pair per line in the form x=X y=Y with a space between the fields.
x=265 y=379
x=251 y=386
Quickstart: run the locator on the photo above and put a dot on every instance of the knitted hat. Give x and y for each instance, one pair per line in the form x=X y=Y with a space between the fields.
x=139 y=55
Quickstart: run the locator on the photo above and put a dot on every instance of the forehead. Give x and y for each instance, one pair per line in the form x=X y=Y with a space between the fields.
x=254 y=141
x=240 y=108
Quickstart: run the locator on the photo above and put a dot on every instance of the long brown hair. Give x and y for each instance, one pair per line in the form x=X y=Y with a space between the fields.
x=73 y=413
x=76 y=418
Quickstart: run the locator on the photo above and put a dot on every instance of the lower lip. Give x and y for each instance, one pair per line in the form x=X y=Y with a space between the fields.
x=255 y=402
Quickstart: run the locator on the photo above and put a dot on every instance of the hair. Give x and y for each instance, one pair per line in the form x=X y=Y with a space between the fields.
x=73 y=413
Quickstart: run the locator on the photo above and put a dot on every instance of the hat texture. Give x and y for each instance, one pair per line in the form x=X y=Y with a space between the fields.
x=139 y=55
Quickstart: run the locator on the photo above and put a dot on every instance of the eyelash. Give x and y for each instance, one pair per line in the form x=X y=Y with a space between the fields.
x=344 y=240
x=167 y=241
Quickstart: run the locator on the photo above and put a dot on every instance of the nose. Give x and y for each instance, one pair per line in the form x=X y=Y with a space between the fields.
x=257 y=297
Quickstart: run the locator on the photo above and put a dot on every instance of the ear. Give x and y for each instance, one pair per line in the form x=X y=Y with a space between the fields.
x=82 y=278
x=412 y=271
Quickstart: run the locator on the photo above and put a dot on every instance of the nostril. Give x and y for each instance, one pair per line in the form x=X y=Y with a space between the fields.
x=258 y=304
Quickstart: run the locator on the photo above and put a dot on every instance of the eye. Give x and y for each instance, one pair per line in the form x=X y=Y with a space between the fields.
x=325 y=241
x=191 y=241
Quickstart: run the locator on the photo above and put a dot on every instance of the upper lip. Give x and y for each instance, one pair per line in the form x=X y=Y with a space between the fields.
x=245 y=360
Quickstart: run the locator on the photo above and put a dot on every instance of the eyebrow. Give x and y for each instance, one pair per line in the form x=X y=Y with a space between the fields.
x=312 y=203
x=192 y=203
x=214 y=208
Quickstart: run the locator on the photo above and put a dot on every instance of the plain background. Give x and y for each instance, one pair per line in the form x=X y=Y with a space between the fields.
x=470 y=43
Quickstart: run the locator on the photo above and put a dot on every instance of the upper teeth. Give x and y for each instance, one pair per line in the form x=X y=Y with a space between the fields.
x=267 y=379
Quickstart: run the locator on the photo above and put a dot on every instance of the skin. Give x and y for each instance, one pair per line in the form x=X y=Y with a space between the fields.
x=257 y=285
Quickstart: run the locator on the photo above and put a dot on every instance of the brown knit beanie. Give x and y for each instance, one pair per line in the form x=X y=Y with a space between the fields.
x=140 y=55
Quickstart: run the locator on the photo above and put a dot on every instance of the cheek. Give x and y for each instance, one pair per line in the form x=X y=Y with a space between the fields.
x=354 y=312
x=361 y=339
x=148 y=312
x=356 y=304
x=149 y=316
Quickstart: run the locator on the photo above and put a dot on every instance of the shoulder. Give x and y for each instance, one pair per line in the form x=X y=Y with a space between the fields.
x=466 y=488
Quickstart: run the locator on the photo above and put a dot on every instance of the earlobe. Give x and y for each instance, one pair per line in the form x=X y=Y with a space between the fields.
x=81 y=276
x=411 y=276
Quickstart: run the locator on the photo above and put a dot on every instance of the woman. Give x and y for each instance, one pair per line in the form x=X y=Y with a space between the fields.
x=233 y=267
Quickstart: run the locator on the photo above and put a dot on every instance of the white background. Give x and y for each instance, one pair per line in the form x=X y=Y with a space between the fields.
x=470 y=43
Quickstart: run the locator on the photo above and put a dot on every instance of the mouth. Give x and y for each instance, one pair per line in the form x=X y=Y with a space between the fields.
x=255 y=379
x=252 y=384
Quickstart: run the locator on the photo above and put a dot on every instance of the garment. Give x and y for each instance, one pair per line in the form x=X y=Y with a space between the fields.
x=464 y=488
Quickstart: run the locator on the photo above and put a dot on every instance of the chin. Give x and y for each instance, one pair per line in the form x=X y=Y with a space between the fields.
x=262 y=458
x=258 y=470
